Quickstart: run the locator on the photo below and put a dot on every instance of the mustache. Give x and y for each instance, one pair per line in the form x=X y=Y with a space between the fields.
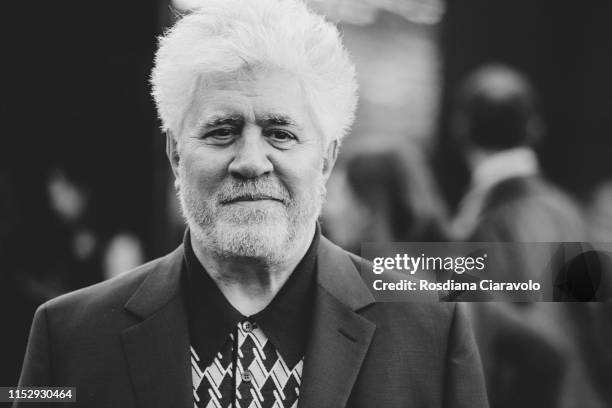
x=253 y=189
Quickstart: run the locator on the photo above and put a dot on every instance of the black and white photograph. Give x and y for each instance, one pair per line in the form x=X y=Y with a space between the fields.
x=306 y=204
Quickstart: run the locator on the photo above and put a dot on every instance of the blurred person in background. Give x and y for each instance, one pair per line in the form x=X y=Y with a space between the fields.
x=92 y=253
x=37 y=263
x=70 y=199
x=68 y=250
x=384 y=196
x=256 y=307
x=497 y=122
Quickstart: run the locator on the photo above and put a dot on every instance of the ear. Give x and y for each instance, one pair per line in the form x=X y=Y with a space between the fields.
x=172 y=152
x=329 y=158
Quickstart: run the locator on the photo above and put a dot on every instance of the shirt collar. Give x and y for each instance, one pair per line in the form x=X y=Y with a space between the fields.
x=285 y=321
x=497 y=167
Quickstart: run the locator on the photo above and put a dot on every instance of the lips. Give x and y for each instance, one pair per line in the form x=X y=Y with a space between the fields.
x=250 y=197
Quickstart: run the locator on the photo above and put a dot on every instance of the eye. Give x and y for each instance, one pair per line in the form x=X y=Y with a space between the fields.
x=281 y=137
x=221 y=135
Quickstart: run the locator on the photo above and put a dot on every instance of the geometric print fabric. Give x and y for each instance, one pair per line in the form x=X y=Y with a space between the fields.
x=248 y=372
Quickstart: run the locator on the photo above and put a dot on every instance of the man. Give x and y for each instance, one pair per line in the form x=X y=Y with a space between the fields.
x=509 y=200
x=255 y=309
x=496 y=122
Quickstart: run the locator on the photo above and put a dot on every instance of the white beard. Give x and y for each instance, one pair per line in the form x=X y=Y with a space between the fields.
x=267 y=234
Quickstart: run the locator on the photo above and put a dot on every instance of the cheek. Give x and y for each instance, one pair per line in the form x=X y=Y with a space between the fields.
x=202 y=169
x=301 y=173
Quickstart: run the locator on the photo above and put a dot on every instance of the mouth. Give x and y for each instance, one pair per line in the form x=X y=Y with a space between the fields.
x=250 y=198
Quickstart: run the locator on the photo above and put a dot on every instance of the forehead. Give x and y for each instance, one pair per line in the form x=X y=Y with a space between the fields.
x=251 y=96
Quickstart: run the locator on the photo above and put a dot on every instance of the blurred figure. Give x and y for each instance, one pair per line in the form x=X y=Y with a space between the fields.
x=92 y=254
x=38 y=263
x=67 y=250
x=497 y=123
x=79 y=262
x=384 y=196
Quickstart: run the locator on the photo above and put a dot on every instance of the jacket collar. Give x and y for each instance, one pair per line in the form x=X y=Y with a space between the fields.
x=162 y=284
x=340 y=337
x=157 y=349
x=339 y=276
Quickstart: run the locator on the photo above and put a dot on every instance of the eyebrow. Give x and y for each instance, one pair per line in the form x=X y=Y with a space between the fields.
x=221 y=120
x=278 y=120
x=238 y=121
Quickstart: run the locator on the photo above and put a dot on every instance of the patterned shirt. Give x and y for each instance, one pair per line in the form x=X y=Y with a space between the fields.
x=254 y=361
x=247 y=372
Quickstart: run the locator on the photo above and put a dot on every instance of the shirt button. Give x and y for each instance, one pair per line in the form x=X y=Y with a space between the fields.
x=247 y=326
x=246 y=376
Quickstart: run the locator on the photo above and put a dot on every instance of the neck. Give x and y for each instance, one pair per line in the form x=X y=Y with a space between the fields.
x=250 y=284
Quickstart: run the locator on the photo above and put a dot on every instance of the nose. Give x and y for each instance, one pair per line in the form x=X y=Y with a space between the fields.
x=251 y=159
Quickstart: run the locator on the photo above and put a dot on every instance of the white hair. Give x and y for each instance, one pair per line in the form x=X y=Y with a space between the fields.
x=227 y=36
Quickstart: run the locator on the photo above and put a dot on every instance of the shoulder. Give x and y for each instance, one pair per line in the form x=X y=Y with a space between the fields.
x=104 y=299
x=535 y=189
x=407 y=315
x=350 y=278
x=425 y=317
x=530 y=209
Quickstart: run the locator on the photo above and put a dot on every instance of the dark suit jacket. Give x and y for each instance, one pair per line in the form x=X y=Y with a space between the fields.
x=511 y=336
x=528 y=209
x=124 y=343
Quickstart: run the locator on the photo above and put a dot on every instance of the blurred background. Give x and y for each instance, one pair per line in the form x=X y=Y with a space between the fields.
x=86 y=191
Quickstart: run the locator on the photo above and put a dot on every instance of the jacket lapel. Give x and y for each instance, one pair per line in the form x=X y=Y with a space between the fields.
x=157 y=348
x=340 y=337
